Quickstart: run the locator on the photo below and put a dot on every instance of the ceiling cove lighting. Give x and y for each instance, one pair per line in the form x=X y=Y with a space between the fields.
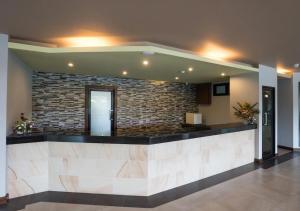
x=283 y=70
x=124 y=72
x=217 y=52
x=70 y=64
x=87 y=41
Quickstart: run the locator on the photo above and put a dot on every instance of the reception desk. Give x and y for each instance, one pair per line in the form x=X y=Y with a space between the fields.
x=124 y=165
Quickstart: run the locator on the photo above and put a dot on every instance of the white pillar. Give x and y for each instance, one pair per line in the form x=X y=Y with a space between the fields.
x=296 y=94
x=267 y=77
x=3 y=106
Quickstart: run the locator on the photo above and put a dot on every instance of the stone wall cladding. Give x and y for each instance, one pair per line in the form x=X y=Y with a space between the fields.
x=59 y=101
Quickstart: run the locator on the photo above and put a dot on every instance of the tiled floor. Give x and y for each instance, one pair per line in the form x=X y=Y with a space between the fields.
x=273 y=189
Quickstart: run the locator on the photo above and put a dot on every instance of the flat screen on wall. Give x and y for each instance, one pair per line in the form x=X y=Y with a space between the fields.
x=221 y=89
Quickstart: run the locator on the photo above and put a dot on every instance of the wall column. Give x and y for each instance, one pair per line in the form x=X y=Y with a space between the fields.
x=3 y=113
x=267 y=77
x=296 y=94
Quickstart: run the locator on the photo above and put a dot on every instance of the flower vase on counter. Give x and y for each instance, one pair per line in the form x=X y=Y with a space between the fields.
x=23 y=126
x=246 y=112
x=20 y=128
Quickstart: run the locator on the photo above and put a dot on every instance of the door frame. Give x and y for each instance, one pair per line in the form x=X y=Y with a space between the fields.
x=88 y=89
x=273 y=90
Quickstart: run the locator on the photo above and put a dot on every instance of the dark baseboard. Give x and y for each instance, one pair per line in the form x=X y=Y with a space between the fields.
x=143 y=201
x=258 y=161
x=278 y=159
x=4 y=200
x=287 y=148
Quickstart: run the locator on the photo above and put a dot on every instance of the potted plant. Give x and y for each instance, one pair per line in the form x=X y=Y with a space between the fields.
x=23 y=125
x=246 y=112
x=20 y=127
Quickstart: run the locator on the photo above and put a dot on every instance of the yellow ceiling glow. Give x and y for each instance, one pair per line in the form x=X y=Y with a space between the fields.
x=87 y=41
x=217 y=52
x=283 y=70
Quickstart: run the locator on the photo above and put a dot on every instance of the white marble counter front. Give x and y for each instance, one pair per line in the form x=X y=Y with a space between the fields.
x=123 y=169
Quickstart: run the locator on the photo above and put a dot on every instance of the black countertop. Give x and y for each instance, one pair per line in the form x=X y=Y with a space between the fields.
x=145 y=136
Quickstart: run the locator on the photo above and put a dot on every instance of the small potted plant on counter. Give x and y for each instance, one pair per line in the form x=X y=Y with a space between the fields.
x=24 y=125
x=246 y=112
x=20 y=127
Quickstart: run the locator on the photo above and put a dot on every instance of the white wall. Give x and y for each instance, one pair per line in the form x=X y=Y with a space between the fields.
x=3 y=102
x=285 y=112
x=267 y=77
x=243 y=88
x=19 y=90
x=296 y=80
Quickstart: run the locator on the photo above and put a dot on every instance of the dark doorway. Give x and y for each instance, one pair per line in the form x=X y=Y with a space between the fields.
x=268 y=122
x=100 y=111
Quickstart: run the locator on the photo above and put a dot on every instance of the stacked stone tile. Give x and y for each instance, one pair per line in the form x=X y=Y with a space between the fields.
x=59 y=101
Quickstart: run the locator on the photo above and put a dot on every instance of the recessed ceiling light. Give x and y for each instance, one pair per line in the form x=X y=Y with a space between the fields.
x=223 y=74
x=145 y=62
x=176 y=78
x=182 y=71
x=70 y=64
x=124 y=72
x=190 y=69
x=297 y=65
